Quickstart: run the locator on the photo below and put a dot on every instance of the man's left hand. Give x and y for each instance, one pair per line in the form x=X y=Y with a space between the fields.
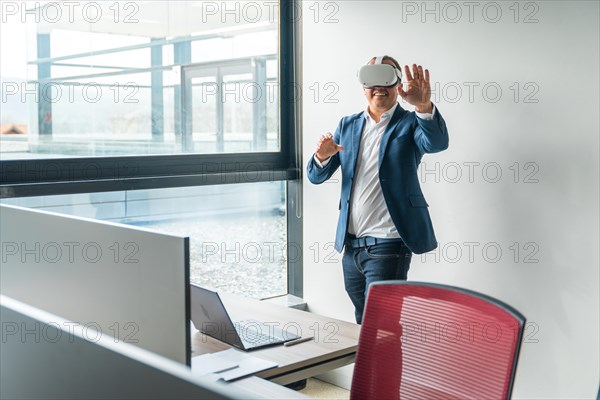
x=418 y=91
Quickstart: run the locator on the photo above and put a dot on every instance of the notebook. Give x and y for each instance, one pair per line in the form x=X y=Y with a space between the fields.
x=210 y=317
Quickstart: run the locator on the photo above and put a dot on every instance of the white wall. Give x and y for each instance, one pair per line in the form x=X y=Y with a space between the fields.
x=551 y=212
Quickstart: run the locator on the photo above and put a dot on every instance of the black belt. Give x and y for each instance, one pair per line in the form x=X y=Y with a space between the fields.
x=369 y=241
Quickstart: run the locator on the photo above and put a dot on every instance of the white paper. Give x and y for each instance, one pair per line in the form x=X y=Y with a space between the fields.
x=230 y=364
x=210 y=363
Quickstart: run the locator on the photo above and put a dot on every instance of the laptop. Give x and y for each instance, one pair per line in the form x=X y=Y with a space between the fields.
x=211 y=318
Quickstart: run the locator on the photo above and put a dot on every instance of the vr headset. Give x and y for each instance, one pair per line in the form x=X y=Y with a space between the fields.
x=378 y=74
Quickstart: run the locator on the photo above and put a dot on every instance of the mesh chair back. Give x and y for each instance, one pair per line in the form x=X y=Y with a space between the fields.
x=428 y=341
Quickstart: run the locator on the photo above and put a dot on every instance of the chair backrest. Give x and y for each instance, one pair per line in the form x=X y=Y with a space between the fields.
x=429 y=341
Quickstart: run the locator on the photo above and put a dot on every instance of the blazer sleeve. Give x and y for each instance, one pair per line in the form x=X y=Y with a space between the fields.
x=431 y=136
x=316 y=174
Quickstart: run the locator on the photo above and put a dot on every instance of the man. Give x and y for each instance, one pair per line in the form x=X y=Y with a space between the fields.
x=383 y=214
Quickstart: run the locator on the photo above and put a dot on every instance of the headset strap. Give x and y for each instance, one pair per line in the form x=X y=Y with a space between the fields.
x=379 y=60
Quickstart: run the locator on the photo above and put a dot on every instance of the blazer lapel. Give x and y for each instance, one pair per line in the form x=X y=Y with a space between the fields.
x=388 y=131
x=357 y=128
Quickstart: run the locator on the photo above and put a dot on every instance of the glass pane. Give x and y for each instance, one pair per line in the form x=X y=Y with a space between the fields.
x=104 y=78
x=204 y=114
x=237 y=232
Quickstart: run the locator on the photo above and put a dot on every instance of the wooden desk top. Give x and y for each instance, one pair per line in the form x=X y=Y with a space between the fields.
x=333 y=339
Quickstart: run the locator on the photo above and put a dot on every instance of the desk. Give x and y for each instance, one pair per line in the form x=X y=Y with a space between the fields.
x=334 y=344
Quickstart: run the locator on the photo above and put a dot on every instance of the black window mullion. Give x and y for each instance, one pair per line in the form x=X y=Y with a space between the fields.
x=290 y=111
x=79 y=175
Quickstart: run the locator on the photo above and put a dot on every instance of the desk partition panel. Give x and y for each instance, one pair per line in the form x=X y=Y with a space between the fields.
x=118 y=281
x=44 y=356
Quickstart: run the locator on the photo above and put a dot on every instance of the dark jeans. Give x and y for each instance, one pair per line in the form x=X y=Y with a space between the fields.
x=364 y=265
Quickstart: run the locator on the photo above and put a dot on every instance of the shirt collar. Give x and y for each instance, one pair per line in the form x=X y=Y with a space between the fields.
x=385 y=116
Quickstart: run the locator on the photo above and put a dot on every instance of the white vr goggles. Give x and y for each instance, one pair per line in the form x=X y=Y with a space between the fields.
x=378 y=74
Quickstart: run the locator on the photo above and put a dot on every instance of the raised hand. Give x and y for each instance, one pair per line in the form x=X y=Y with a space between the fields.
x=418 y=91
x=326 y=147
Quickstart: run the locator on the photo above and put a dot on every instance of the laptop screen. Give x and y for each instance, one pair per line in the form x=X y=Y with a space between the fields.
x=210 y=316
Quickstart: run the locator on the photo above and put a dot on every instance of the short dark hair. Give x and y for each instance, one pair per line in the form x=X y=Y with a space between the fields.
x=392 y=59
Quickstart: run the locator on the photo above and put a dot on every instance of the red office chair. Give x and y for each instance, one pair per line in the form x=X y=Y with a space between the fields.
x=429 y=341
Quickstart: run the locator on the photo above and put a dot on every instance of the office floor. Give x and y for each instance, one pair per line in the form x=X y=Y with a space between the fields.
x=323 y=390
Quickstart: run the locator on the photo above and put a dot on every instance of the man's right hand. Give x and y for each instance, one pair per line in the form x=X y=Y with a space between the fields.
x=327 y=147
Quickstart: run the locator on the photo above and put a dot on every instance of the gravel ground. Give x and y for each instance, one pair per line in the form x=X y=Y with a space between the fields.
x=242 y=254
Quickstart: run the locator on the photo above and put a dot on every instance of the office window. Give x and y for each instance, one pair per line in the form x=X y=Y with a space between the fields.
x=102 y=79
x=238 y=237
x=108 y=100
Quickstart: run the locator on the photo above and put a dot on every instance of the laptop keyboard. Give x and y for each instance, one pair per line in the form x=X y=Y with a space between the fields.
x=251 y=331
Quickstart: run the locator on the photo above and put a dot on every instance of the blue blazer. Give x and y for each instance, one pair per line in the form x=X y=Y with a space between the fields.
x=403 y=144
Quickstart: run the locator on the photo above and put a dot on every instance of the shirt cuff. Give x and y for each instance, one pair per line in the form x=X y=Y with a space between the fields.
x=426 y=116
x=319 y=163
